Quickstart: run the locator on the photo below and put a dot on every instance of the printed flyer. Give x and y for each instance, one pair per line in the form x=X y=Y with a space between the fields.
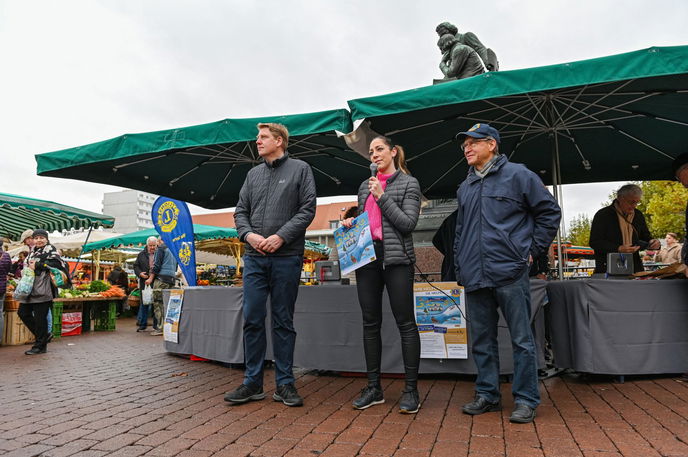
x=170 y=329
x=440 y=315
x=354 y=245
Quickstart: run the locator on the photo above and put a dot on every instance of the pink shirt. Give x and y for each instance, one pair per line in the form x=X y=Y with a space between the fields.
x=374 y=213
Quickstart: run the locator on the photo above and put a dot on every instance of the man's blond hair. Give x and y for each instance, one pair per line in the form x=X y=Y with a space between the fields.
x=277 y=130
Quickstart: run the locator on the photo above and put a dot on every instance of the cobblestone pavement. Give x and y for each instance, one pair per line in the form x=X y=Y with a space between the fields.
x=120 y=394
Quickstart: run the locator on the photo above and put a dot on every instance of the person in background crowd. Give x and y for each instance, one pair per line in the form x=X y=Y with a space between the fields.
x=444 y=242
x=142 y=268
x=119 y=277
x=620 y=227
x=540 y=266
x=18 y=265
x=680 y=169
x=506 y=217
x=276 y=205
x=5 y=266
x=671 y=253
x=392 y=201
x=33 y=311
x=162 y=276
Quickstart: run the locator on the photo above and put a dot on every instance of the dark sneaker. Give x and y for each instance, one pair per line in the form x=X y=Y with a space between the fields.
x=287 y=394
x=370 y=395
x=409 y=403
x=141 y=329
x=480 y=405
x=522 y=414
x=34 y=351
x=245 y=393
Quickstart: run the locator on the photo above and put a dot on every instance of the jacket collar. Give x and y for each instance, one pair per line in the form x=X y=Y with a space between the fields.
x=277 y=162
x=499 y=163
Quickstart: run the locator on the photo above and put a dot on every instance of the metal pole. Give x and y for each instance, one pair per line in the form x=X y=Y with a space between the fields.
x=556 y=185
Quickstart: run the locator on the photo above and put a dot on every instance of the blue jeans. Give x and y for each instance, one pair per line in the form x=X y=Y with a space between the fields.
x=142 y=317
x=514 y=301
x=277 y=277
x=50 y=320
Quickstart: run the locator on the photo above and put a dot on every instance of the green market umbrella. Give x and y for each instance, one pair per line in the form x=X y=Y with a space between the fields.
x=138 y=238
x=622 y=117
x=206 y=164
x=19 y=213
x=219 y=240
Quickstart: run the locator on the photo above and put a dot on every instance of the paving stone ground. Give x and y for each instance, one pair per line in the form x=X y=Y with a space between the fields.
x=120 y=394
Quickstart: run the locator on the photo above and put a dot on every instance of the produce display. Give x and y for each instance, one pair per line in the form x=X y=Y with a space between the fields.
x=96 y=288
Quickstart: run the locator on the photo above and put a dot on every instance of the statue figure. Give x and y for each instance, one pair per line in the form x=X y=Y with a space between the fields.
x=458 y=60
x=470 y=39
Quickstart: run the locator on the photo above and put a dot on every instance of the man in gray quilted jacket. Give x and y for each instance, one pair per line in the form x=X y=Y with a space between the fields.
x=276 y=205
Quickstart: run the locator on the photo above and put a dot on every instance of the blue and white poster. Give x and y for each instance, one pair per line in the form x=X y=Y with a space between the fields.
x=354 y=245
x=172 y=220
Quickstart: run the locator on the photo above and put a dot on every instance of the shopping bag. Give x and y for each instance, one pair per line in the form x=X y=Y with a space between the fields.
x=59 y=278
x=147 y=296
x=25 y=285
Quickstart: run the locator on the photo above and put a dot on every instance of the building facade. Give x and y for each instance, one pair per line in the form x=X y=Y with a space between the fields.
x=130 y=208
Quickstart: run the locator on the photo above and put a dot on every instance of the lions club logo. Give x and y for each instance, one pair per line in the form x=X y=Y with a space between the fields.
x=185 y=253
x=167 y=216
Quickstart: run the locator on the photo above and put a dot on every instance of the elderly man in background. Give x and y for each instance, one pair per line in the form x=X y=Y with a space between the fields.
x=620 y=227
x=142 y=268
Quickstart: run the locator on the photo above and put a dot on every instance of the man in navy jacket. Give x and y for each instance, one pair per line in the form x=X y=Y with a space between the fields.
x=506 y=217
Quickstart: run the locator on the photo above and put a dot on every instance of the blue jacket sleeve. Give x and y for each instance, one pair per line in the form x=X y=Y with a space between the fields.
x=546 y=214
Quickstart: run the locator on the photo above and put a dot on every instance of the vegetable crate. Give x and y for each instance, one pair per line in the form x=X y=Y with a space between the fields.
x=105 y=315
x=15 y=332
x=57 y=319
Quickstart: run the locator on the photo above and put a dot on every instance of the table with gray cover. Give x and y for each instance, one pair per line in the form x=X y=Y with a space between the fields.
x=620 y=327
x=329 y=331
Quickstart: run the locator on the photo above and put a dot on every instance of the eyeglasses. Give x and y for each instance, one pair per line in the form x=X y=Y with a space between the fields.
x=632 y=202
x=465 y=144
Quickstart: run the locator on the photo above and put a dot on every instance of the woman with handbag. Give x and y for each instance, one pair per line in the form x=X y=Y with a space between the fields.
x=33 y=310
x=392 y=200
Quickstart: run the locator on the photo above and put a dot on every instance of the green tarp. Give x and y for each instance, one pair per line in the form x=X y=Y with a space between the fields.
x=201 y=233
x=138 y=239
x=19 y=213
x=206 y=164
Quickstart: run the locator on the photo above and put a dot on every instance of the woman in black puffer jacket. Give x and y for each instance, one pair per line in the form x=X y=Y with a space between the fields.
x=392 y=201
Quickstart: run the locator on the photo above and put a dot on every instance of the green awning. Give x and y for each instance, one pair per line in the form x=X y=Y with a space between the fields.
x=138 y=239
x=19 y=213
x=201 y=233
x=622 y=117
x=206 y=164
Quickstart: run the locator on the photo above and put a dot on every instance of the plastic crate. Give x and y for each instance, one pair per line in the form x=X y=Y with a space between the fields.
x=105 y=316
x=57 y=319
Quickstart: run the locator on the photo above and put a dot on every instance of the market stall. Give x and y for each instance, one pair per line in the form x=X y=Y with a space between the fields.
x=329 y=330
x=620 y=327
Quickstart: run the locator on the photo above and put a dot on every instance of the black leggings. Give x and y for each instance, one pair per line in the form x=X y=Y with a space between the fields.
x=371 y=280
x=35 y=317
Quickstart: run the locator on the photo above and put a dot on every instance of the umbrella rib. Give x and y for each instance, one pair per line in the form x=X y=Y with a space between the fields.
x=582 y=114
x=336 y=181
x=515 y=113
x=443 y=175
x=586 y=163
x=212 y=197
x=136 y=162
x=428 y=151
x=635 y=113
x=324 y=153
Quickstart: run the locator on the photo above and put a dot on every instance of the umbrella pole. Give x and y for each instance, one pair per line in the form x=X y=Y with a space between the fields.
x=556 y=186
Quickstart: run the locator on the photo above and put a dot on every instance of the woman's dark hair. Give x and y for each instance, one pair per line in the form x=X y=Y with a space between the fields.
x=400 y=158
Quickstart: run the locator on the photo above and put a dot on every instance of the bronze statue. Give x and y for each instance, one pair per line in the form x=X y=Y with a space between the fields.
x=458 y=60
x=470 y=39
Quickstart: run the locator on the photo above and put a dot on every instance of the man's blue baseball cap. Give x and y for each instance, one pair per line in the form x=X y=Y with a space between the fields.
x=479 y=131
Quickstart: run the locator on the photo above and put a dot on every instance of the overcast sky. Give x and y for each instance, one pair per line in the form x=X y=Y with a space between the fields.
x=76 y=72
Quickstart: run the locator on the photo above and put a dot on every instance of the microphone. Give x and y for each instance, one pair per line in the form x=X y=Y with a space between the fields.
x=373 y=170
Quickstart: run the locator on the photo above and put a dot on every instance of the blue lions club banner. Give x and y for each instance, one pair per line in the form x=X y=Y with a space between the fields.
x=172 y=220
